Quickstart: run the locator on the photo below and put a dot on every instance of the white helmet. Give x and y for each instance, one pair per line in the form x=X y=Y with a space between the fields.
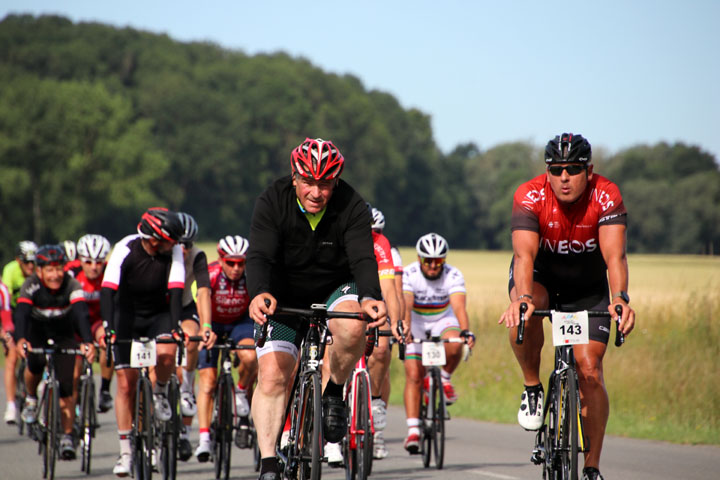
x=190 y=227
x=232 y=246
x=94 y=247
x=432 y=245
x=70 y=250
x=26 y=250
x=378 y=219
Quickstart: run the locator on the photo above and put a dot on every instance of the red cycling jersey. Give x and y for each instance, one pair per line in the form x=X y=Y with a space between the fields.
x=5 y=312
x=230 y=300
x=569 y=251
x=91 y=291
x=383 y=256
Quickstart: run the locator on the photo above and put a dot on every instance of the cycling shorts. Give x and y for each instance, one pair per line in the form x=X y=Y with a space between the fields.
x=64 y=364
x=190 y=312
x=151 y=327
x=284 y=335
x=413 y=351
x=235 y=331
x=596 y=297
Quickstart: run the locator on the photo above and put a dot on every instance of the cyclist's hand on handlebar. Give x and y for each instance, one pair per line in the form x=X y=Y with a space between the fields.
x=9 y=341
x=469 y=338
x=627 y=322
x=89 y=351
x=259 y=308
x=511 y=316
x=23 y=346
x=376 y=310
x=179 y=335
x=209 y=336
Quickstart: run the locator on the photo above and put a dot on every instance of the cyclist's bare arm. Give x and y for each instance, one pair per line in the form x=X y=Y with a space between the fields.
x=612 y=240
x=389 y=293
x=525 y=249
x=458 y=302
x=204 y=307
x=407 y=318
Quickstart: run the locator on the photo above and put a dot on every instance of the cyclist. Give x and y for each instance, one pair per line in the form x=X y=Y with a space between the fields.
x=568 y=235
x=13 y=276
x=92 y=251
x=194 y=314
x=310 y=242
x=142 y=296
x=51 y=305
x=230 y=302
x=379 y=449
x=6 y=334
x=435 y=299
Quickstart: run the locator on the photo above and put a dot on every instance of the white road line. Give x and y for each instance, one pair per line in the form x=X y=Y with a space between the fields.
x=492 y=475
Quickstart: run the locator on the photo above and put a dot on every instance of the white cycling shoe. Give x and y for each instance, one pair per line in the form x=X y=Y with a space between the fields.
x=379 y=411
x=242 y=406
x=203 y=451
x=188 y=406
x=123 y=466
x=530 y=414
x=10 y=413
x=333 y=452
x=380 y=451
x=162 y=407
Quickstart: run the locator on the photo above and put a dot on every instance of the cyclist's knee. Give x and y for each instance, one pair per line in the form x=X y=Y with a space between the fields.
x=590 y=371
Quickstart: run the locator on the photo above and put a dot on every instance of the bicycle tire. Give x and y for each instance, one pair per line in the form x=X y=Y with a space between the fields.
x=87 y=423
x=553 y=442
x=309 y=422
x=169 y=433
x=143 y=431
x=570 y=446
x=52 y=426
x=426 y=415
x=438 y=419
x=223 y=425
x=363 y=428
x=20 y=394
x=256 y=446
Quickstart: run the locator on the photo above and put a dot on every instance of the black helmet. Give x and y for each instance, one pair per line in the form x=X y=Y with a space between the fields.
x=162 y=224
x=50 y=255
x=568 y=148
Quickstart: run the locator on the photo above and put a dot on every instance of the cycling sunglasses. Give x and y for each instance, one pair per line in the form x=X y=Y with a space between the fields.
x=557 y=170
x=234 y=263
x=433 y=261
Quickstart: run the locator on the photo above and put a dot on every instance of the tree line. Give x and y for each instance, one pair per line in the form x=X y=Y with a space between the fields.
x=98 y=123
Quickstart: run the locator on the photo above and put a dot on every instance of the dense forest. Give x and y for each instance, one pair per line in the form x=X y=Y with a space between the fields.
x=97 y=123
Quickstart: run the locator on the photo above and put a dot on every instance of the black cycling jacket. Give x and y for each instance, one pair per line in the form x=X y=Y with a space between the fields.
x=299 y=266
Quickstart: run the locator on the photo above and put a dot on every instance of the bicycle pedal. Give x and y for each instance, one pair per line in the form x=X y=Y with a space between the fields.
x=537 y=457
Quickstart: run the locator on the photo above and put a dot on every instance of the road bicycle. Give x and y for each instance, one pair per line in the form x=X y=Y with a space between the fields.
x=222 y=424
x=302 y=456
x=86 y=421
x=358 y=443
x=150 y=435
x=562 y=436
x=433 y=409
x=20 y=394
x=47 y=428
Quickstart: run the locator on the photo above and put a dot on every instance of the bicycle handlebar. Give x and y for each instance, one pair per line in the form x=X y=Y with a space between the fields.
x=619 y=336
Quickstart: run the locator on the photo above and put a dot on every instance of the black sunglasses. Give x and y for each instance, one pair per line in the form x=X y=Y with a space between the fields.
x=557 y=170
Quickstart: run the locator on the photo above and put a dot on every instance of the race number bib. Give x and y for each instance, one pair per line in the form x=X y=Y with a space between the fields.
x=570 y=328
x=433 y=354
x=142 y=354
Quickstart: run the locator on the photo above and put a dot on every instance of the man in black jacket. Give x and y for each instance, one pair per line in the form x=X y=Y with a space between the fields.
x=310 y=242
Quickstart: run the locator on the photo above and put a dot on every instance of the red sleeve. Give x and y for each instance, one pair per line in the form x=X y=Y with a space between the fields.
x=527 y=202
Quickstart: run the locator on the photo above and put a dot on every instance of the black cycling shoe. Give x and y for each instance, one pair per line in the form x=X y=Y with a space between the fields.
x=270 y=476
x=591 y=473
x=242 y=437
x=105 y=402
x=334 y=419
x=185 y=450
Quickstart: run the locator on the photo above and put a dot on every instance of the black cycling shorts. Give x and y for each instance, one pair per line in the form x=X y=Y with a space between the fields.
x=190 y=312
x=38 y=335
x=129 y=327
x=573 y=299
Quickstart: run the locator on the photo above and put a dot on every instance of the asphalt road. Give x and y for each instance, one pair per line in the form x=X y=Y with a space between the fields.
x=475 y=450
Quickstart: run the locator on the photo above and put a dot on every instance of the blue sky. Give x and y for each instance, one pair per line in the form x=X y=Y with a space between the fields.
x=619 y=72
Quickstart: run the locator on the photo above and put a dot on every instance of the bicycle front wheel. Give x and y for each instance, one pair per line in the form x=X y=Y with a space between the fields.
x=309 y=428
x=364 y=437
x=426 y=421
x=87 y=422
x=438 y=419
x=143 y=431
x=170 y=432
x=52 y=420
x=568 y=431
x=223 y=426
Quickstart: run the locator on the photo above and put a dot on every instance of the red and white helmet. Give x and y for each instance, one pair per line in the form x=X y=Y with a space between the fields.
x=318 y=159
x=232 y=246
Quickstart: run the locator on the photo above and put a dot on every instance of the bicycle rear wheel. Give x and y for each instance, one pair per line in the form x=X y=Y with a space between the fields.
x=87 y=422
x=426 y=427
x=143 y=431
x=20 y=394
x=309 y=428
x=170 y=432
x=438 y=419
